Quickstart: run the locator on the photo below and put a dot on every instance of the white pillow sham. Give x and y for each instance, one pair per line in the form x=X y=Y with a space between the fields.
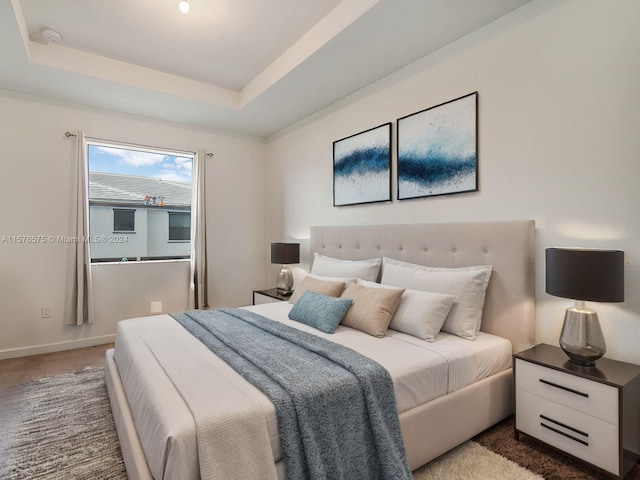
x=332 y=279
x=335 y=267
x=467 y=284
x=420 y=314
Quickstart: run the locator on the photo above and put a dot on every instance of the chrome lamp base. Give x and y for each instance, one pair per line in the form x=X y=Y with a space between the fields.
x=581 y=338
x=284 y=280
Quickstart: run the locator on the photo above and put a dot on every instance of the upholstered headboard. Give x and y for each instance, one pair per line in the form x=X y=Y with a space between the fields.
x=509 y=309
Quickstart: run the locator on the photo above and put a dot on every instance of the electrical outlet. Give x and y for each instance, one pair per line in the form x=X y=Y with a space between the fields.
x=156 y=307
x=46 y=312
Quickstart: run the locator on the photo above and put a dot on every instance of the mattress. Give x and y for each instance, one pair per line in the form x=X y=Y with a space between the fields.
x=421 y=371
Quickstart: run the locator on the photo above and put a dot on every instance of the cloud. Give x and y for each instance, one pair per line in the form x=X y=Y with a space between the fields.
x=148 y=164
x=178 y=164
x=175 y=176
x=134 y=157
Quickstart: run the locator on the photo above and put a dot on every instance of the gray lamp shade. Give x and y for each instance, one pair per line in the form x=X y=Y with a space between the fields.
x=584 y=274
x=285 y=253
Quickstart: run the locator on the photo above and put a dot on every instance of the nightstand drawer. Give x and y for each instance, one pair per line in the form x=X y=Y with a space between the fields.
x=581 y=435
x=593 y=398
x=259 y=299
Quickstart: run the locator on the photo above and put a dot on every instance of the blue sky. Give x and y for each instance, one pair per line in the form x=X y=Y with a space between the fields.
x=134 y=162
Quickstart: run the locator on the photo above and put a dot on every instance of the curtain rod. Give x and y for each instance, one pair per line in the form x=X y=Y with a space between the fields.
x=69 y=134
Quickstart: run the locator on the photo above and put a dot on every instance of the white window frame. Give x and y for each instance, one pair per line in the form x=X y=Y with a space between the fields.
x=145 y=149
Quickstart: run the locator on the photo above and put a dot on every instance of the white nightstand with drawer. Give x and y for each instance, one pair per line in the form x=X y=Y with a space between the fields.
x=591 y=413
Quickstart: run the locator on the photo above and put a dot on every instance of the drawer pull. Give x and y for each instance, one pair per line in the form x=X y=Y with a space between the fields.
x=577 y=392
x=575 y=439
x=548 y=419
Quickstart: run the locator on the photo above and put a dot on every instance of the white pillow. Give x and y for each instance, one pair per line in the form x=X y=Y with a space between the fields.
x=332 y=279
x=334 y=267
x=467 y=284
x=420 y=314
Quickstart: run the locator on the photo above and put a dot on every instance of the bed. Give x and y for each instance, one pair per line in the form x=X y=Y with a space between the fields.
x=467 y=404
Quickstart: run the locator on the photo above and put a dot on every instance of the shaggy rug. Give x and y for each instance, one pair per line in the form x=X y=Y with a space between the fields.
x=473 y=461
x=62 y=427
x=537 y=457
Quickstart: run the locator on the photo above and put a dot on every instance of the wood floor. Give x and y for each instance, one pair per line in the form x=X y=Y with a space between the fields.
x=16 y=371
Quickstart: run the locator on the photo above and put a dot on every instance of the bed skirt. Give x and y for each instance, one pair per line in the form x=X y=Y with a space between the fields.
x=454 y=418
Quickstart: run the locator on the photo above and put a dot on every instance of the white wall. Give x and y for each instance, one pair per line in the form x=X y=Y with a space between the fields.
x=123 y=244
x=149 y=239
x=559 y=109
x=158 y=243
x=34 y=174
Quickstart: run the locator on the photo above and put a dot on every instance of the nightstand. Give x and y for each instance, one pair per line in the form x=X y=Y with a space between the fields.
x=269 y=296
x=591 y=413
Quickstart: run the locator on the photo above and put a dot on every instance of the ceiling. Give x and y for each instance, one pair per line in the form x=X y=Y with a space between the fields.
x=251 y=67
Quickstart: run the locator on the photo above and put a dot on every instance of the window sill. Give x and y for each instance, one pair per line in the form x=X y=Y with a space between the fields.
x=140 y=262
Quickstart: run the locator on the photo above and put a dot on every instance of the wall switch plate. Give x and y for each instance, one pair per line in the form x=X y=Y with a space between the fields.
x=46 y=312
x=156 y=307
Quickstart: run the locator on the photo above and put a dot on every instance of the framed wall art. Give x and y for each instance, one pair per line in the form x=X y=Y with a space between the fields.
x=362 y=167
x=438 y=149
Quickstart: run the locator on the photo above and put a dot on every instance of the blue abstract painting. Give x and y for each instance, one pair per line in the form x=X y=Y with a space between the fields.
x=362 y=167
x=437 y=149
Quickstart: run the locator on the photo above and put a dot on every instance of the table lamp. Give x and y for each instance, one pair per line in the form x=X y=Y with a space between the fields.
x=285 y=254
x=584 y=274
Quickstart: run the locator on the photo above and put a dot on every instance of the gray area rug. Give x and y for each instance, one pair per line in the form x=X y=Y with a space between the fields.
x=61 y=428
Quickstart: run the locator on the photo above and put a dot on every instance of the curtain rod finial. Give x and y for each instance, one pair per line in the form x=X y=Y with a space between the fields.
x=69 y=134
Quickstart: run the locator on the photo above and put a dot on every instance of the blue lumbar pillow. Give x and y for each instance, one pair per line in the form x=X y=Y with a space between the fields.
x=320 y=311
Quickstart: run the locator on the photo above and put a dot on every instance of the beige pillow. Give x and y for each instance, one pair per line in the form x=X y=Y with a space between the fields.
x=323 y=287
x=372 y=308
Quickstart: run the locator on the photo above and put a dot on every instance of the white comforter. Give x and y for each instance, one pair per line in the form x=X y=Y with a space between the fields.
x=421 y=371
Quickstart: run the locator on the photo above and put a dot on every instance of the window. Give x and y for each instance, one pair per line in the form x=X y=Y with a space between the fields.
x=124 y=220
x=179 y=226
x=141 y=190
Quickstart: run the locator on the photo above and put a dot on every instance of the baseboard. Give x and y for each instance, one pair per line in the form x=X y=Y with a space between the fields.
x=55 y=347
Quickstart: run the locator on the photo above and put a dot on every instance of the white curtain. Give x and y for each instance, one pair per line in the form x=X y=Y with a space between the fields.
x=198 y=287
x=81 y=284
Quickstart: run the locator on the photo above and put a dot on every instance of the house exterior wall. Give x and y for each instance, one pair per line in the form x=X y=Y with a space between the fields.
x=105 y=243
x=150 y=238
x=158 y=243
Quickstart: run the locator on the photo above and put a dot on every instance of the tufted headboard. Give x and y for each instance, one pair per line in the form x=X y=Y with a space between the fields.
x=509 y=309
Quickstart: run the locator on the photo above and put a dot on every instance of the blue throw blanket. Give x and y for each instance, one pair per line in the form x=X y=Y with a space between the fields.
x=336 y=408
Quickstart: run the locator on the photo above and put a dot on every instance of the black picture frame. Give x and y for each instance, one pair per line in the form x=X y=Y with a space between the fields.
x=362 y=167
x=437 y=149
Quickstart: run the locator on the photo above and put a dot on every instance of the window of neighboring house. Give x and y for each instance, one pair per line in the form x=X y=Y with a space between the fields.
x=179 y=226
x=124 y=220
x=131 y=190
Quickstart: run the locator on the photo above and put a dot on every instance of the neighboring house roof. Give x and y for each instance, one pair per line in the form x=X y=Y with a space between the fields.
x=129 y=190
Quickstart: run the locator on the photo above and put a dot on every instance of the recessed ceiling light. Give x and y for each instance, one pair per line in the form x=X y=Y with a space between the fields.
x=184 y=6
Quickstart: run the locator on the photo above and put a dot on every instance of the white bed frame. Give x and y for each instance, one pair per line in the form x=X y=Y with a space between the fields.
x=431 y=429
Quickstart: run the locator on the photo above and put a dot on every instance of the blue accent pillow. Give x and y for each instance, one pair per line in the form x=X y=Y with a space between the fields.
x=320 y=311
